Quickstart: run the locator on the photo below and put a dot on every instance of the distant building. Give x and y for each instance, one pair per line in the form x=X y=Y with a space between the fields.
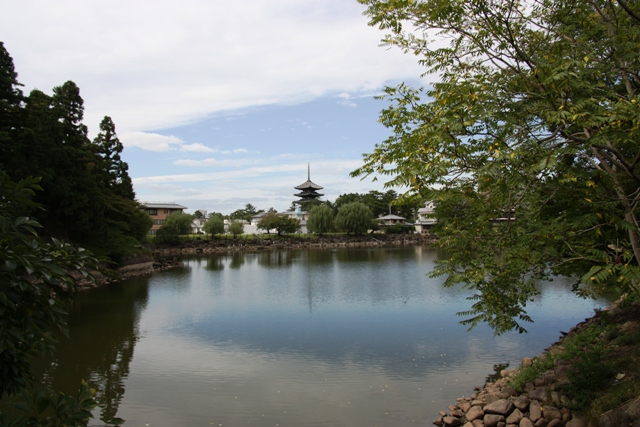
x=391 y=219
x=308 y=189
x=159 y=213
x=426 y=218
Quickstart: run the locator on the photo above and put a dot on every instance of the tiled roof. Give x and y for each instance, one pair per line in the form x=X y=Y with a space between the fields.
x=153 y=205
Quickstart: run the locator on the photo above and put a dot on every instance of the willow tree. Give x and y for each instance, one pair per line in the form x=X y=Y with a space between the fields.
x=528 y=142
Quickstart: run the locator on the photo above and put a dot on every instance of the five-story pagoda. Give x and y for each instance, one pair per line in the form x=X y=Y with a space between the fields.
x=308 y=189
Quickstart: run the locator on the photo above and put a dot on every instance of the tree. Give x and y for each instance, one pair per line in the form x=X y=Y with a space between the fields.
x=354 y=218
x=37 y=280
x=174 y=226
x=236 y=228
x=214 y=225
x=527 y=142
x=320 y=219
x=245 y=214
x=268 y=222
x=199 y=214
x=287 y=225
x=112 y=168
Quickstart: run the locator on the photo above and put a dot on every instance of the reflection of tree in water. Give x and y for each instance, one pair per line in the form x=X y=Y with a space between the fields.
x=103 y=331
x=275 y=259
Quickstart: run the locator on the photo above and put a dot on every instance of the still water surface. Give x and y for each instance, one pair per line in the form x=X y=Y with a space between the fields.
x=357 y=337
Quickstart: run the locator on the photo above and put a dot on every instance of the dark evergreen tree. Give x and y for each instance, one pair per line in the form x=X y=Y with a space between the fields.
x=112 y=167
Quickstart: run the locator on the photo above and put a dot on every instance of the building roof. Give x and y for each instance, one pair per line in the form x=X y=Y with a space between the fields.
x=396 y=217
x=169 y=205
x=308 y=184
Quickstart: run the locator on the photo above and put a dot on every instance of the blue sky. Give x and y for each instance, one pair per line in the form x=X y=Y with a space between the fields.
x=218 y=103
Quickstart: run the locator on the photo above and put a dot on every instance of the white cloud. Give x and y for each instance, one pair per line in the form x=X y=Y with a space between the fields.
x=196 y=147
x=151 y=141
x=155 y=64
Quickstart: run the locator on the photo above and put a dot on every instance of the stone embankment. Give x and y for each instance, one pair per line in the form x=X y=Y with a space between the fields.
x=498 y=404
x=542 y=402
x=211 y=246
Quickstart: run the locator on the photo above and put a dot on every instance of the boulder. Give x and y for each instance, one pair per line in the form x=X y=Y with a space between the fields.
x=478 y=423
x=452 y=421
x=514 y=417
x=522 y=402
x=542 y=422
x=555 y=423
x=475 y=413
x=526 y=422
x=526 y=361
x=499 y=407
x=465 y=406
x=551 y=413
x=535 y=412
x=539 y=394
x=492 y=419
x=576 y=422
x=438 y=421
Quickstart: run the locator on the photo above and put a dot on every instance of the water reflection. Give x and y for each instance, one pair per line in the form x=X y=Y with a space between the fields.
x=324 y=337
x=97 y=351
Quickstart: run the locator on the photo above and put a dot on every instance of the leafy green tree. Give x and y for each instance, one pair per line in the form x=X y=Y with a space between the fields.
x=214 y=225
x=236 y=228
x=354 y=218
x=246 y=214
x=343 y=199
x=198 y=214
x=320 y=219
x=37 y=280
x=180 y=221
x=287 y=225
x=176 y=224
x=268 y=222
x=527 y=142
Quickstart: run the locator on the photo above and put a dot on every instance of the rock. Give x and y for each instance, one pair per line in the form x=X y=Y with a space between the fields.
x=539 y=394
x=555 y=398
x=549 y=377
x=526 y=422
x=555 y=423
x=535 y=412
x=528 y=387
x=576 y=422
x=526 y=361
x=542 y=422
x=514 y=417
x=457 y=413
x=452 y=407
x=551 y=413
x=438 y=421
x=538 y=382
x=561 y=372
x=507 y=392
x=468 y=424
x=452 y=421
x=521 y=402
x=442 y=413
x=475 y=413
x=491 y=398
x=478 y=423
x=499 y=407
x=492 y=419
x=478 y=403
x=465 y=406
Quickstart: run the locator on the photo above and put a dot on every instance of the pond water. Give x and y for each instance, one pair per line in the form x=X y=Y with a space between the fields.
x=357 y=337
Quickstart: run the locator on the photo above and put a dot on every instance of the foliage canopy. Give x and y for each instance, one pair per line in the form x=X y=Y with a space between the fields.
x=354 y=217
x=528 y=142
x=320 y=219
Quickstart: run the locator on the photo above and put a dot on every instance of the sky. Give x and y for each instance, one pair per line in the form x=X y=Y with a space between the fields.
x=218 y=103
